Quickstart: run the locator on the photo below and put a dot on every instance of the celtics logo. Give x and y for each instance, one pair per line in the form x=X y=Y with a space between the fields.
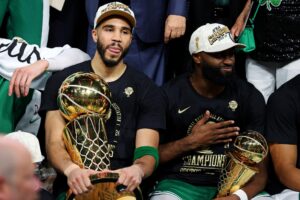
x=269 y=3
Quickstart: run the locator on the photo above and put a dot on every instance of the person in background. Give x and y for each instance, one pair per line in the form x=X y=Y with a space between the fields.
x=68 y=23
x=25 y=19
x=24 y=67
x=17 y=179
x=282 y=132
x=28 y=21
x=232 y=13
x=277 y=55
x=31 y=143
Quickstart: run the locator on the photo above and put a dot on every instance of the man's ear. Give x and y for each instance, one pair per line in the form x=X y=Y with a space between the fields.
x=131 y=38
x=197 y=58
x=94 y=35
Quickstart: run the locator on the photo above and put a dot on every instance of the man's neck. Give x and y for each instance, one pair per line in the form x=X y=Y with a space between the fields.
x=109 y=74
x=205 y=87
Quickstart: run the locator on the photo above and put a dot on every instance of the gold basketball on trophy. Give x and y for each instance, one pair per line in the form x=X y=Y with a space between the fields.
x=251 y=147
x=84 y=93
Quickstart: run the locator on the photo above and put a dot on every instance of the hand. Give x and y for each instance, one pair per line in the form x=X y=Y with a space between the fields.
x=238 y=27
x=241 y=21
x=130 y=176
x=174 y=27
x=230 y=197
x=211 y=133
x=22 y=77
x=79 y=180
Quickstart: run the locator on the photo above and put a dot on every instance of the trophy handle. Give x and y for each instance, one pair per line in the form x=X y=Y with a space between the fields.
x=105 y=188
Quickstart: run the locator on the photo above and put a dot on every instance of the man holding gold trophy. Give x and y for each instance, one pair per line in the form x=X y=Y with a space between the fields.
x=209 y=112
x=106 y=91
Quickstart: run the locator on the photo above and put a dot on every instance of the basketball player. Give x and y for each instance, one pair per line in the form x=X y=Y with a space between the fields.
x=137 y=107
x=207 y=108
x=282 y=131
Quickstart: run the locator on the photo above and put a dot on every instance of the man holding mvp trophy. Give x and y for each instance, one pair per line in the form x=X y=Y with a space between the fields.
x=137 y=108
x=207 y=109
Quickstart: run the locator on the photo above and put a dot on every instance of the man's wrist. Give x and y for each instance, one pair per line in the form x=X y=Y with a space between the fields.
x=140 y=166
x=70 y=168
x=241 y=194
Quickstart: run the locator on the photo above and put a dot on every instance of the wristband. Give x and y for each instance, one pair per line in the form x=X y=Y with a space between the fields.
x=146 y=151
x=70 y=168
x=241 y=194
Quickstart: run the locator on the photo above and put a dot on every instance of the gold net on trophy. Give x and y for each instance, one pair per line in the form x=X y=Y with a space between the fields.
x=249 y=149
x=87 y=134
x=84 y=100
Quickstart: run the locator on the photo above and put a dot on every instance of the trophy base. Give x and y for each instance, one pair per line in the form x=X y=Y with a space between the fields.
x=234 y=176
x=105 y=188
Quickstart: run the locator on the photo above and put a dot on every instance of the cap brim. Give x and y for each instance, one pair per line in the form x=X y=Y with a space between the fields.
x=224 y=47
x=39 y=159
x=120 y=13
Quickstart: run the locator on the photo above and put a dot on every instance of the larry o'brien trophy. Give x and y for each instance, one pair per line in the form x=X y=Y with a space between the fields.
x=249 y=149
x=84 y=100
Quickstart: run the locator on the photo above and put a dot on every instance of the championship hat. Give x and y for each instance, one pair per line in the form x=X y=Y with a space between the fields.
x=212 y=38
x=114 y=9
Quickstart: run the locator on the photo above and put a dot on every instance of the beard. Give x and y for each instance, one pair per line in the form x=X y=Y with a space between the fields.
x=110 y=62
x=215 y=75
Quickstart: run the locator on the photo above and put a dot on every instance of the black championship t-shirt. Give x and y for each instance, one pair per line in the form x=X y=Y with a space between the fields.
x=136 y=103
x=283 y=122
x=240 y=101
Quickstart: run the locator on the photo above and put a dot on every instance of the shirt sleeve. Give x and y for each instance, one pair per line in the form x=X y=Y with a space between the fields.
x=281 y=120
x=151 y=108
x=62 y=57
x=254 y=112
x=177 y=7
x=59 y=58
